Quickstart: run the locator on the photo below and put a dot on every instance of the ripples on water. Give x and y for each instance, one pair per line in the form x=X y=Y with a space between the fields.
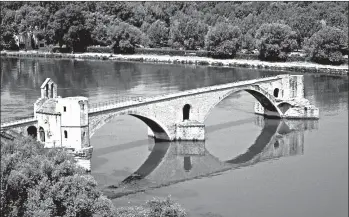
x=124 y=157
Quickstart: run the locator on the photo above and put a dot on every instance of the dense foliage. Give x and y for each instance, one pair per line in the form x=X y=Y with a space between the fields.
x=153 y=208
x=125 y=37
x=327 y=45
x=179 y=25
x=274 y=41
x=223 y=40
x=47 y=182
x=39 y=182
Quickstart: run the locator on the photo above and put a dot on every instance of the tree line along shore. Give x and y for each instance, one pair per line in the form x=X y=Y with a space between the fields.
x=266 y=31
x=297 y=66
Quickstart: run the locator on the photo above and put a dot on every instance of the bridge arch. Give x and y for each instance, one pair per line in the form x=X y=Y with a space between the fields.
x=284 y=106
x=32 y=131
x=160 y=131
x=262 y=96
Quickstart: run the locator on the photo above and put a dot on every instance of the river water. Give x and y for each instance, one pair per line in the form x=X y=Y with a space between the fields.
x=248 y=165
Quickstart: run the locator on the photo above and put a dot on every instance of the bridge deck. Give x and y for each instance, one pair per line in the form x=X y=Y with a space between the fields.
x=14 y=122
x=134 y=101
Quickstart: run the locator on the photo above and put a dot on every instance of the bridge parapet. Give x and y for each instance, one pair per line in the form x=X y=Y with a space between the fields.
x=132 y=101
x=11 y=122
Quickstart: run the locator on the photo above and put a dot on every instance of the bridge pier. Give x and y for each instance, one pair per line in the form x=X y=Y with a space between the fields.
x=184 y=131
x=190 y=130
x=289 y=99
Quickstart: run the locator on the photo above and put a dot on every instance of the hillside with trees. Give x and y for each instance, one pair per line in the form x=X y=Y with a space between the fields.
x=221 y=28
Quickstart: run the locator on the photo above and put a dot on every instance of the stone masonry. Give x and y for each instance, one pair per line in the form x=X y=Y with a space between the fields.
x=70 y=122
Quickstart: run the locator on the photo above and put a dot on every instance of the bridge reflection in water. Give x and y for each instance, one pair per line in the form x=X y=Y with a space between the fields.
x=173 y=162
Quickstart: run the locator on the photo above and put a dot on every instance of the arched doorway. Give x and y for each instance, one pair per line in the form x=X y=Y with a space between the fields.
x=186 y=112
x=42 y=134
x=32 y=131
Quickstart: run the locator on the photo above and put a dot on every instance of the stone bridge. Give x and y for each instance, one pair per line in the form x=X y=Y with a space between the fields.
x=70 y=122
x=181 y=116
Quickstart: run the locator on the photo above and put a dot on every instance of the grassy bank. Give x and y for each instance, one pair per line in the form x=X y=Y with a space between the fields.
x=299 y=66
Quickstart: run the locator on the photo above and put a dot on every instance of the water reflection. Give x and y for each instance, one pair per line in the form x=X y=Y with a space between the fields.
x=172 y=162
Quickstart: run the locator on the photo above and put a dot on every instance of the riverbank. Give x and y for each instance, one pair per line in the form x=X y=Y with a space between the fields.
x=304 y=67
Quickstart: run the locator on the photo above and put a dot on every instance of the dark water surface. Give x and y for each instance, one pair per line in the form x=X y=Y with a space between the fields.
x=247 y=166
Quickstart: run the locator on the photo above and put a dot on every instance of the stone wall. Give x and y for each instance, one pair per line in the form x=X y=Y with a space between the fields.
x=20 y=126
x=51 y=126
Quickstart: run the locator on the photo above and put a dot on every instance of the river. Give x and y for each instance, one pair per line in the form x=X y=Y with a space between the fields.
x=248 y=165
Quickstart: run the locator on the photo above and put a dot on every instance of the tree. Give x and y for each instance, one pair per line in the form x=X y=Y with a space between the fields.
x=248 y=42
x=98 y=25
x=139 y=14
x=79 y=24
x=337 y=19
x=40 y=182
x=69 y=28
x=223 y=40
x=38 y=17
x=158 y=34
x=327 y=45
x=249 y=24
x=305 y=26
x=274 y=41
x=8 y=30
x=187 y=32
x=126 y=37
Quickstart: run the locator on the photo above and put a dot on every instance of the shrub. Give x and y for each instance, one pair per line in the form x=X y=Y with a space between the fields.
x=57 y=49
x=94 y=49
x=9 y=46
x=160 y=51
x=172 y=52
x=165 y=207
x=246 y=56
x=7 y=41
x=327 y=46
x=201 y=53
x=223 y=40
x=275 y=41
x=153 y=208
